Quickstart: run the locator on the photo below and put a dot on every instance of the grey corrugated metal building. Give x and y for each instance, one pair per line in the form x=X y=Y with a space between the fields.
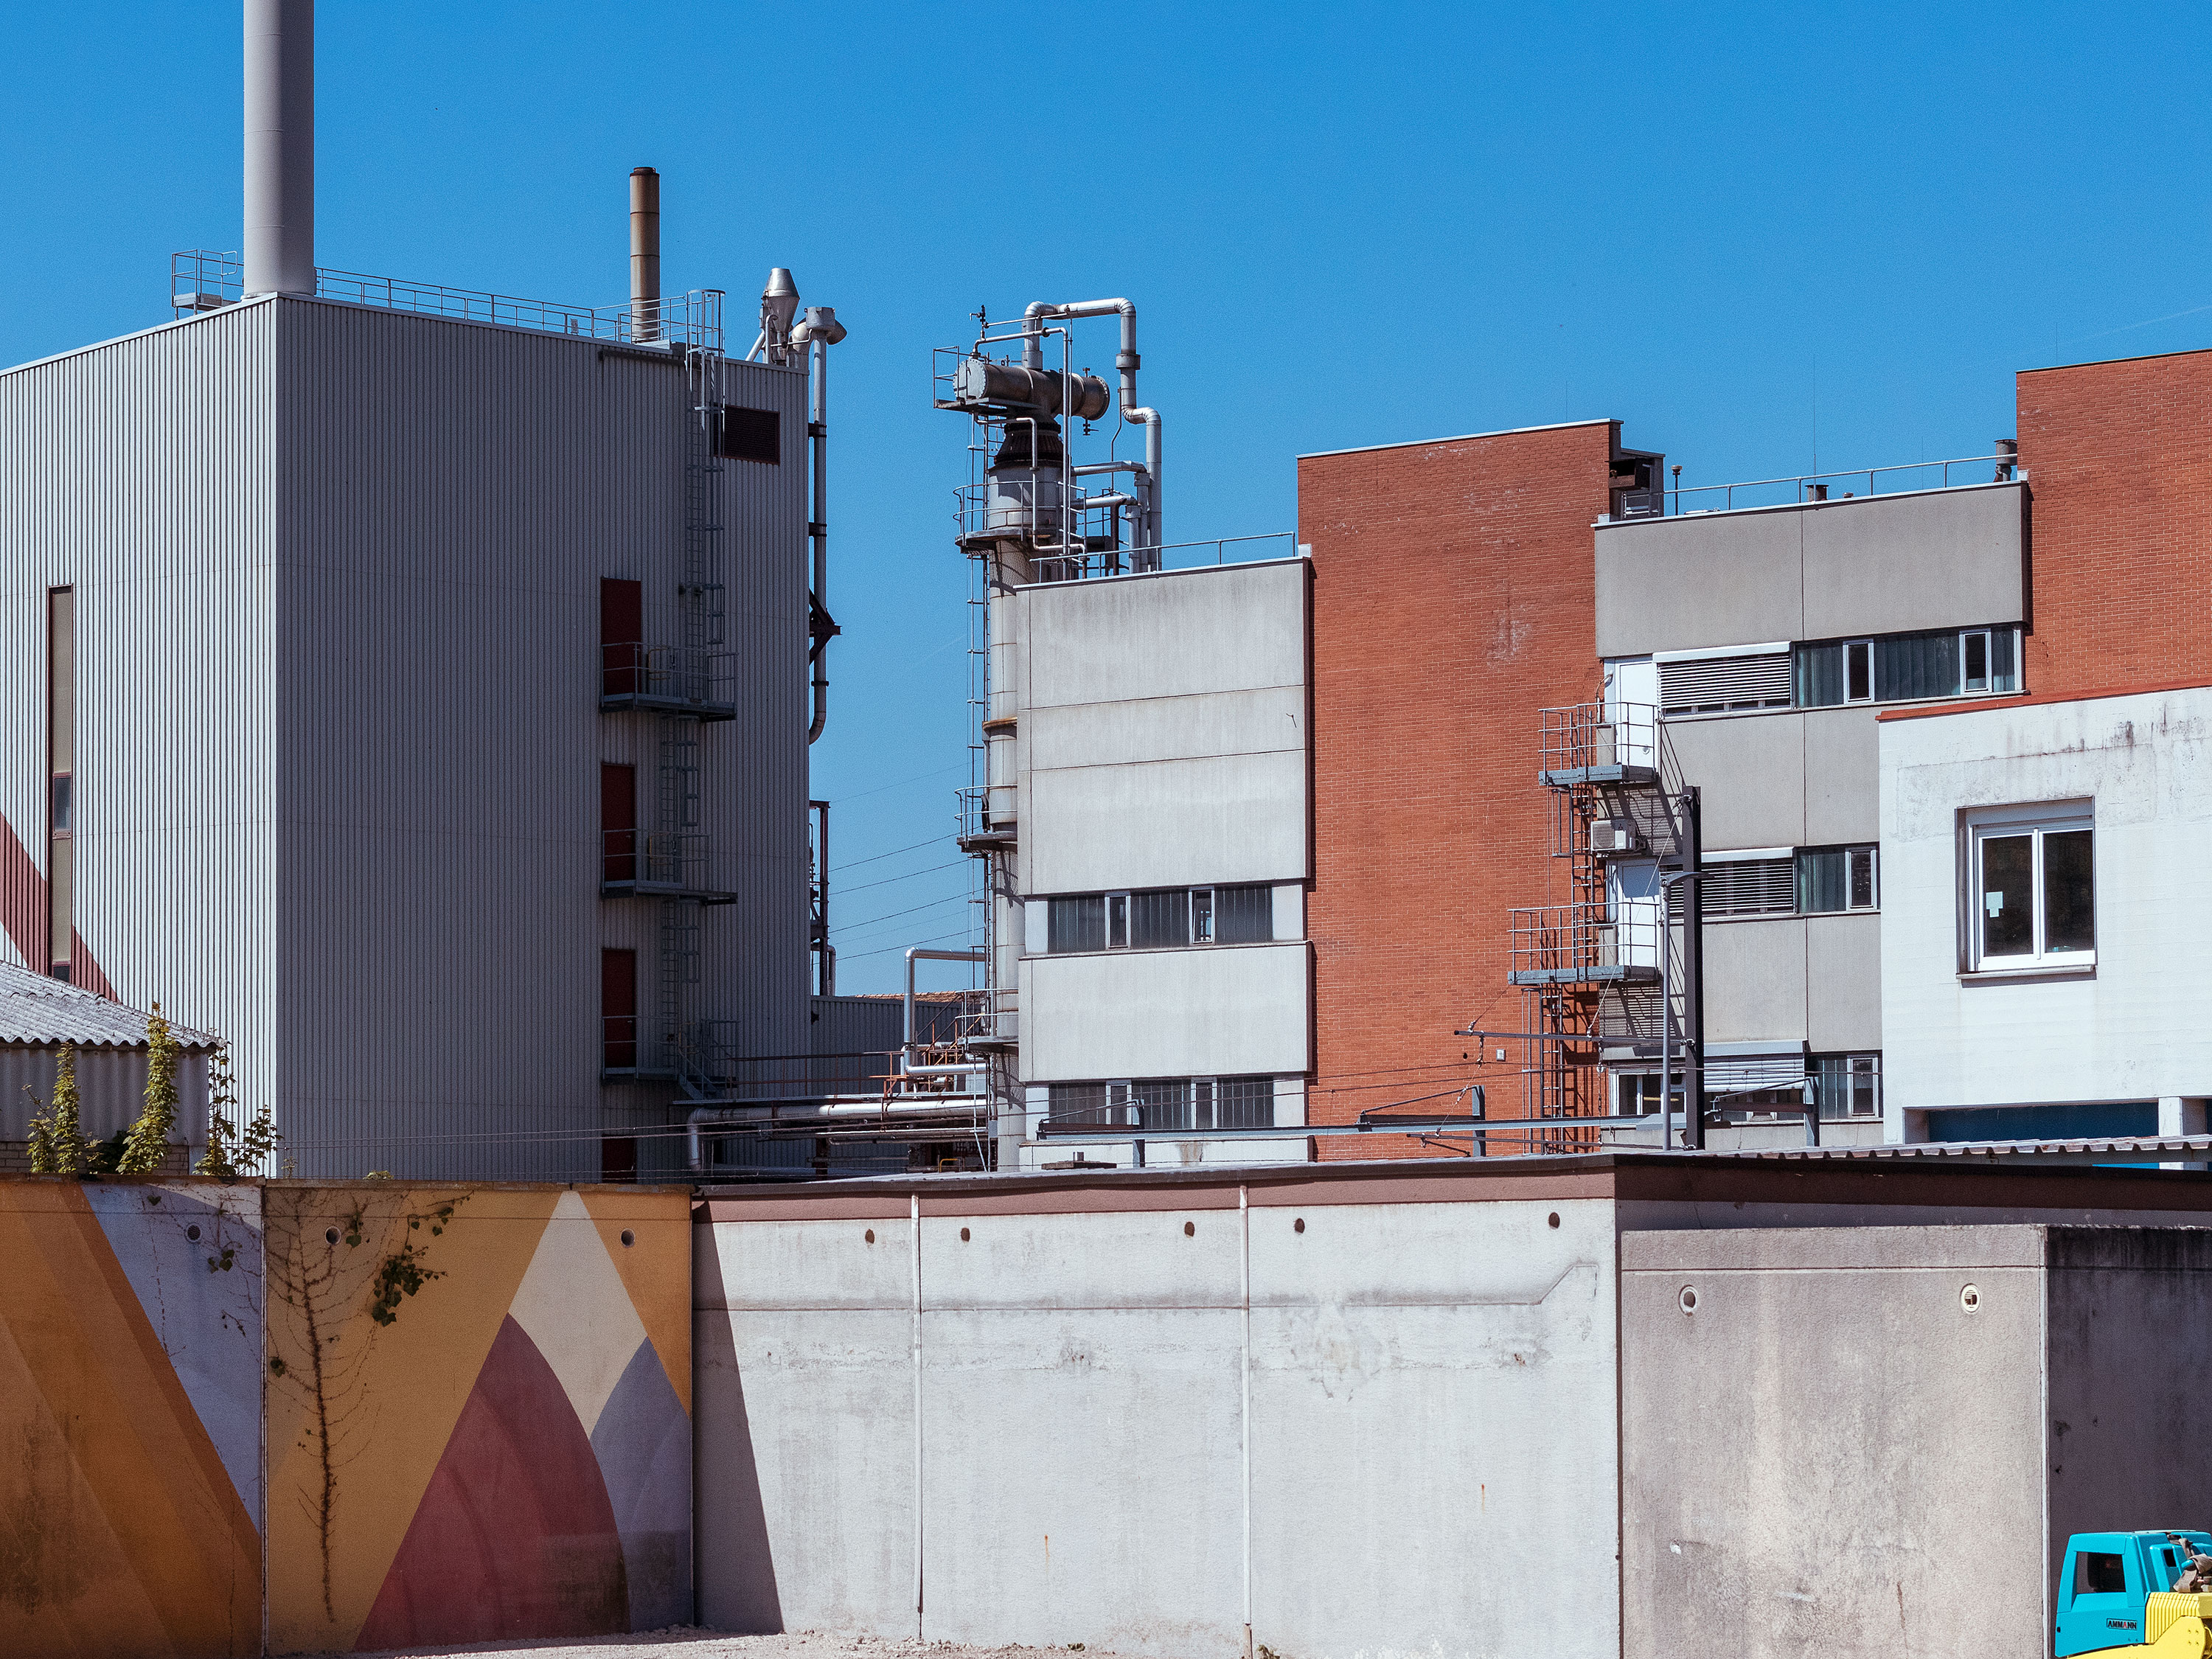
x=38 y=1015
x=307 y=620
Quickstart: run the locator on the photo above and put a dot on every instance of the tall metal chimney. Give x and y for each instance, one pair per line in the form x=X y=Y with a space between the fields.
x=280 y=146
x=644 y=253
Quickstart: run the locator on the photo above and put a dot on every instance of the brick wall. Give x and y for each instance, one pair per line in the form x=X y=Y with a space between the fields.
x=1454 y=597
x=2121 y=553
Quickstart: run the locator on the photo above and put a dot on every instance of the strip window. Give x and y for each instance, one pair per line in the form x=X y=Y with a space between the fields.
x=1970 y=662
x=2031 y=891
x=61 y=782
x=1164 y=1105
x=1164 y=918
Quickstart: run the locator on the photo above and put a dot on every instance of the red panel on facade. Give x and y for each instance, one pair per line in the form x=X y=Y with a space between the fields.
x=1454 y=596
x=618 y=1011
x=618 y=820
x=622 y=634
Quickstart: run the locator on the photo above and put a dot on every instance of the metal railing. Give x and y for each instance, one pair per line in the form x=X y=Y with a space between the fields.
x=1587 y=737
x=1823 y=486
x=202 y=279
x=668 y=675
x=1567 y=944
x=1174 y=556
x=660 y=862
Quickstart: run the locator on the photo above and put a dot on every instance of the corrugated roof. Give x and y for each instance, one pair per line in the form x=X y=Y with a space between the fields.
x=37 y=1012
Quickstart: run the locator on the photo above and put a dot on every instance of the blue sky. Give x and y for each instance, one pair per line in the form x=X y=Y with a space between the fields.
x=1766 y=237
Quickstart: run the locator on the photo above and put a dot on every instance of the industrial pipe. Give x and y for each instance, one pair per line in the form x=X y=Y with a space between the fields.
x=918 y=953
x=644 y=254
x=1126 y=361
x=818 y=334
x=280 y=147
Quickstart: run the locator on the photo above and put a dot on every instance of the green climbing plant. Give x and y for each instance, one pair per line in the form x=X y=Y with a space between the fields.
x=234 y=1145
x=148 y=1143
x=58 y=1145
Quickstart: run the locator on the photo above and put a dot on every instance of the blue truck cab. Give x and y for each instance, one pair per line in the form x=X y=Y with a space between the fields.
x=2105 y=1579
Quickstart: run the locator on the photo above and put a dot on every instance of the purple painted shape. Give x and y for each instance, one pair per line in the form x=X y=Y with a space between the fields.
x=206 y=1315
x=643 y=1444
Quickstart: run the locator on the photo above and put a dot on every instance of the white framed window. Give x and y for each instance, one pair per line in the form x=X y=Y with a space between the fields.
x=2031 y=887
x=1836 y=878
x=1859 y=670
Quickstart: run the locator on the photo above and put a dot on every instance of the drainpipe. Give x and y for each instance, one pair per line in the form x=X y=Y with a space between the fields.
x=818 y=333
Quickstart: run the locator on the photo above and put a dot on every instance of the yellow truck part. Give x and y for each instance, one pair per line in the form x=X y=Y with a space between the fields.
x=2175 y=1626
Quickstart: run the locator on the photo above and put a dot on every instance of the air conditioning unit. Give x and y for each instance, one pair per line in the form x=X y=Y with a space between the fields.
x=1614 y=837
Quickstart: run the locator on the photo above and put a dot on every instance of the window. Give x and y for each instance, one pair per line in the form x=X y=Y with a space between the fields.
x=1757 y=886
x=61 y=769
x=1079 y=924
x=1831 y=878
x=2031 y=890
x=1163 y=1105
x=1904 y=667
x=1847 y=1085
x=750 y=434
x=1161 y=918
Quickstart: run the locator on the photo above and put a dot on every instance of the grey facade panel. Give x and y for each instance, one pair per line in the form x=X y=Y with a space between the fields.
x=392 y=529
x=1751 y=768
x=1896 y=565
x=1843 y=776
x=1755 y=980
x=1877 y=564
x=140 y=471
x=1843 y=978
x=447 y=523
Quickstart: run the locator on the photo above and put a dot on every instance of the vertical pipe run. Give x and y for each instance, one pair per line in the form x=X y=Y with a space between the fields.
x=1693 y=1045
x=1244 y=1253
x=818 y=429
x=280 y=147
x=644 y=253
x=914 y=1213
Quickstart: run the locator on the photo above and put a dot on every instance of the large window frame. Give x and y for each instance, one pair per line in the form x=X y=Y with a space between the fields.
x=2027 y=903
x=1160 y=919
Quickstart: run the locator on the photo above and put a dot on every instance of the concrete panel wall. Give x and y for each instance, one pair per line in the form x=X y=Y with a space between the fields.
x=1755 y=980
x=1222 y=1009
x=1879 y=564
x=1843 y=776
x=1843 y=980
x=1081 y=1395
x=2131 y=1029
x=1752 y=769
x=1164 y=730
x=1806 y=1453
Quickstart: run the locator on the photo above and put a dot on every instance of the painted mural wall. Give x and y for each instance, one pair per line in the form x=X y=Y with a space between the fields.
x=464 y=1410
x=129 y=1418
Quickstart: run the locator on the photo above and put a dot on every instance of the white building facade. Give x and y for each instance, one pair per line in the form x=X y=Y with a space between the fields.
x=1166 y=982
x=2043 y=926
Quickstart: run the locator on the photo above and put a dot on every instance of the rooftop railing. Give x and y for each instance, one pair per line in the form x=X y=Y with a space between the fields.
x=201 y=279
x=1828 y=486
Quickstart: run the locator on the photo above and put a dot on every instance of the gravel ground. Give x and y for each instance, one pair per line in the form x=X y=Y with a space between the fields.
x=689 y=1643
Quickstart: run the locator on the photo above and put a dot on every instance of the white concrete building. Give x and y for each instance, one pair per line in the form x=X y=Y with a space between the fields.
x=1162 y=756
x=2043 y=935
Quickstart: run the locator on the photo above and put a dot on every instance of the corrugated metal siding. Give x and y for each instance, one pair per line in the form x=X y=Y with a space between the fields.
x=111 y=1089
x=141 y=472
x=451 y=496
